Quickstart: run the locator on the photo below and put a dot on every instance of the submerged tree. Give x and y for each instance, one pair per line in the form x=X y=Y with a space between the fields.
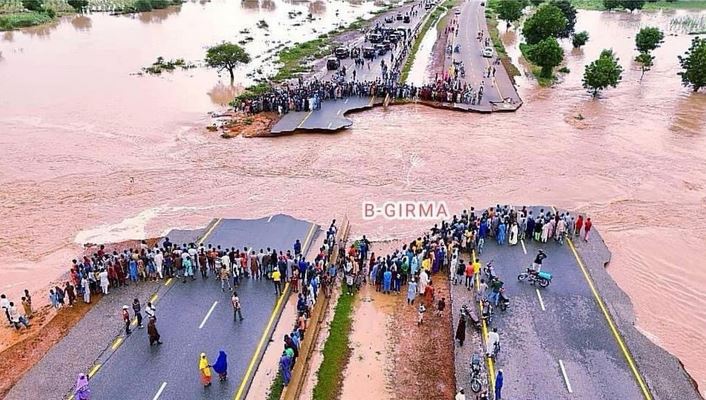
x=648 y=39
x=694 y=65
x=226 y=56
x=569 y=12
x=579 y=39
x=646 y=61
x=547 y=21
x=547 y=54
x=78 y=5
x=602 y=73
x=510 y=10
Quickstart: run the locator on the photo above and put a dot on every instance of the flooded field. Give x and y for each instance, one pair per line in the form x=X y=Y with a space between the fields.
x=92 y=153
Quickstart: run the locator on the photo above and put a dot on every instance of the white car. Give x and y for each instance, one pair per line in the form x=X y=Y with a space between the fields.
x=487 y=52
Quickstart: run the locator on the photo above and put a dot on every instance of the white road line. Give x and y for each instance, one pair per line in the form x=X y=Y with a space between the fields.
x=270 y=219
x=566 y=378
x=339 y=111
x=541 y=302
x=523 y=246
x=208 y=314
x=346 y=102
x=159 y=392
x=329 y=125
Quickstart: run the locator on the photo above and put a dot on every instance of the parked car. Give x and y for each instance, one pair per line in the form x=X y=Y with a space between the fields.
x=488 y=52
x=389 y=19
x=399 y=16
x=375 y=38
x=406 y=19
x=380 y=49
x=369 y=52
x=457 y=12
x=342 y=52
x=333 y=63
x=386 y=44
x=355 y=53
x=394 y=38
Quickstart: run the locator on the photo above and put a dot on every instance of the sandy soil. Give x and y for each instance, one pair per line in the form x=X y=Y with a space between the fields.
x=248 y=125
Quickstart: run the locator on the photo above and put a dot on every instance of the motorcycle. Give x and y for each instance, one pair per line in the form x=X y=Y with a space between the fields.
x=532 y=276
x=476 y=376
x=471 y=317
x=503 y=300
x=489 y=271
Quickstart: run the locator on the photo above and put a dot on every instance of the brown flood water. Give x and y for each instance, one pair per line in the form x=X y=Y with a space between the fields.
x=91 y=153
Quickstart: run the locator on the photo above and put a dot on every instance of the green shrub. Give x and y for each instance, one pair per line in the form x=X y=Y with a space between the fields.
x=33 y=5
x=159 y=4
x=143 y=5
x=50 y=13
x=78 y=4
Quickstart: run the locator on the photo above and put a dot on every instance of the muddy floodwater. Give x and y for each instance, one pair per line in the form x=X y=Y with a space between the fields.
x=91 y=153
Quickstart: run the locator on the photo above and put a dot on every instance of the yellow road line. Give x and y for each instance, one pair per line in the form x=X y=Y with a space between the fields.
x=372 y=100
x=484 y=330
x=618 y=338
x=168 y=282
x=305 y=118
x=94 y=370
x=71 y=397
x=116 y=343
x=153 y=298
x=208 y=233
x=305 y=243
x=251 y=365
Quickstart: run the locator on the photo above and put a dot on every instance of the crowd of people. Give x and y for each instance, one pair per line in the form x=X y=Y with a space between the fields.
x=17 y=317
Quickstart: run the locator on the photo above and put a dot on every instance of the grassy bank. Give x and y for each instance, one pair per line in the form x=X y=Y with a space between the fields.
x=536 y=69
x=336 y=351
x=680 y=4
x=430 y=22
x=23 y=20
x=276 y=389
x=492 y=20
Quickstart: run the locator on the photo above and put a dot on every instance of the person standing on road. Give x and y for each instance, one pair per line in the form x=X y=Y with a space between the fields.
x=152 y=331
x=297 y=248
x=537 y=264
x=205 y=370
x=225 y=278
x=420 y=312
x=137 y=308
x=493 y=340
x=461 y=330
x=411 y=291
x=578 y=226
x=126 y=320
x=221 y=366
x=587 y=229
x=235 y=301
x=277 y=280
x=82 y=391
x=469 y=276
x=499 y=385
x=150 y=310
x=285 y=367
x=103 y=276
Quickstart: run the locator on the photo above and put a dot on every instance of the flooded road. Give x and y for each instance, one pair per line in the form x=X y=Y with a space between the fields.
x=91 y=153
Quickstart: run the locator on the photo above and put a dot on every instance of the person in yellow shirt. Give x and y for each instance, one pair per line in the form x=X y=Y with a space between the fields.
x=426 y=264
x=205 y=369
x=476 y=269
x=277 y=279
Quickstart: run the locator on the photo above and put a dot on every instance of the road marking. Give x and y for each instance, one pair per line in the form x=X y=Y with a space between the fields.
x=159 y=392
x=116 y=343
x=305 y=118
x=372 y=99
x=134 y=322
x=618 y=338
x=208 y=233
x=484 y=330
x=208 y=314
x=270 y=219
x=523 y=246
x=541 y=302
x=94 y=370
x=566 y=378
x=239 y=394
x=305 y=243
x=346 y=102
x=153 y=298
x=168 y=282
x=329 y=124
x=339 y=111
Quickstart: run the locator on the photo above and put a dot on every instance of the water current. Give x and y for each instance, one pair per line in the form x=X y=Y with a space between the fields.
x=92 y=152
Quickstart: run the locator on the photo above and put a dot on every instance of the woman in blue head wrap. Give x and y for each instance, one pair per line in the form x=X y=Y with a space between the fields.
x=221 y=366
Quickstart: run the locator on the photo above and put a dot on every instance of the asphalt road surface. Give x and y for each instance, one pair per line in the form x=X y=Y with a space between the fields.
x=497 y=88
x=196 y=317
x=331 y=116
x=555 y=341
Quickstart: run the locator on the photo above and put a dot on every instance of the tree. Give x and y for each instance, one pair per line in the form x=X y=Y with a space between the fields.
x=547 y=54
x=510 y=10
x=536 y=3
x=226 y=56
x=547 y=21
x=78 y=5
x=603 y=72
x=632 y=4
x=694 y=65
x=160 y=4
x=646 y=61
x=579 y=39
x=33 y=5
x=611 y=4
x=143 y=5
x=569 y=12
x=648 y=39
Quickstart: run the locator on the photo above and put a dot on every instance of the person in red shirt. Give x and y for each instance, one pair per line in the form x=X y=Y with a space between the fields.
x=579 y=225
x=587 y=229
x=429 y=295
x=469 y=276
x=126 y=319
